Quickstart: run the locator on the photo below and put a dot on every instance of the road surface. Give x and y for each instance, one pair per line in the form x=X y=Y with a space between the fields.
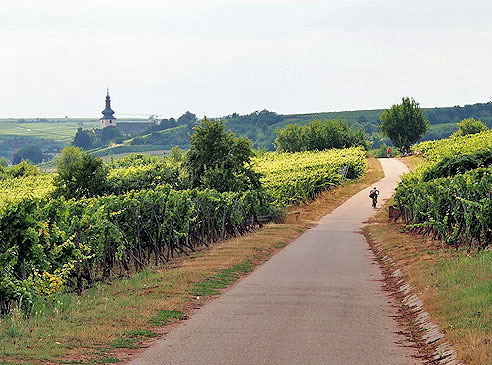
x=318 y=301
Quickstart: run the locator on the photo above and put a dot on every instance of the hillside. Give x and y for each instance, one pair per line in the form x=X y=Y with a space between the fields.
x=259 y=126
x=49 y=134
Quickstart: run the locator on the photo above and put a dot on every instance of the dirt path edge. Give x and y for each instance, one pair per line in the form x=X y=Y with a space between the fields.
x=415 y=322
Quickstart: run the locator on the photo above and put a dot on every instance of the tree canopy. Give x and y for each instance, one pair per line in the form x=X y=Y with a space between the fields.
x=79 y=174
x=187 y=118
x=470 y=126
x=82 y=139
x=30 y=153
x=404 y=123
x=219 y=160
x=319 y=136
x=110 y=133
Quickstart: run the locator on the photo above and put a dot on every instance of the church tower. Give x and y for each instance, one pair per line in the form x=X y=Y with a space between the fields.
x=108 y=120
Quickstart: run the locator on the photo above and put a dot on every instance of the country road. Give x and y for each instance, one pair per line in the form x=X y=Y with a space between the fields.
x=318 y=301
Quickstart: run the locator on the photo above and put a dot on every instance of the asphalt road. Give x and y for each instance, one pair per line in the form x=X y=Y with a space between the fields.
x=318 y=301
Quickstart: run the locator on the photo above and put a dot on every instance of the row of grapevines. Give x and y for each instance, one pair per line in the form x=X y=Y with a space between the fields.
x=289 y=177
x=445 y=199
x=37 y=186
x=456 y=209
x=121 y=179
x=438 y=149
x=143 y=176
x=300 y=176
x=50 y=245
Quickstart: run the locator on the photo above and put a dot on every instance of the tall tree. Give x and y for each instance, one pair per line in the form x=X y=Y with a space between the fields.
x=404 y=123
x=82 y=139
x=219 y=160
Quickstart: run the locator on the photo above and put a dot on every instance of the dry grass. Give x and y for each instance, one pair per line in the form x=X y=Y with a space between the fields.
x=452 y=284
x=86 y=329
x=412 y=162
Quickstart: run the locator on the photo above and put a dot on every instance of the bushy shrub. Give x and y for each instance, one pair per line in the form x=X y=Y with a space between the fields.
x=79 y=174
x=469 y=126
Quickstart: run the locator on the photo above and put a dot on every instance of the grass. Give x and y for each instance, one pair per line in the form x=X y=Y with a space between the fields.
x=57 y=131
x=455 y=285
x=220 y=280
x=413 y=162
x=165 y=316
x=142 y=333
x=125 y=342
x=93 y=327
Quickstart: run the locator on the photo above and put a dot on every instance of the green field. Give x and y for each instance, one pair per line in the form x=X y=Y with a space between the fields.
x=44 y=133
x=59 y=130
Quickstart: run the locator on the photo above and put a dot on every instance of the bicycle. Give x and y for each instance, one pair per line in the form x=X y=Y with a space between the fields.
x=374 y=201
x=374 y=196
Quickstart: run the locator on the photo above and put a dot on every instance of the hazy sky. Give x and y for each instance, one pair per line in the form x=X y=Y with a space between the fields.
x=216 y=57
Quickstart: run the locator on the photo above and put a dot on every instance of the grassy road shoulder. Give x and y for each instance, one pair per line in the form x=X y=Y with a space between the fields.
x=110 y=322
x=454 y=285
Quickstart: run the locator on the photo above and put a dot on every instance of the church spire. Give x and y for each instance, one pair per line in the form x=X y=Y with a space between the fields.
x=108 y=112
x=108 y=119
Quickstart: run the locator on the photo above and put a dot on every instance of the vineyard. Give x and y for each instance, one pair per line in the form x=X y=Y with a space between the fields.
x=300 y=176
x=449 y=197
x=146 y=216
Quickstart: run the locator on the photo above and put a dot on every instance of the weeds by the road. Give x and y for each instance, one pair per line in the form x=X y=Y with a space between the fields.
x=108 y=320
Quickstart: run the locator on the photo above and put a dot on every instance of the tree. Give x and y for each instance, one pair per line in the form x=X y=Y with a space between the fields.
x=404 y=123
x=168 y=123
x=110 y=133
x=79 y=174
x=219 y=160
x=362 y=119
x=82 y=139
x=187 y=118
x=290 y=139
x=470 y=126
x=319 y=136
x=31 y=153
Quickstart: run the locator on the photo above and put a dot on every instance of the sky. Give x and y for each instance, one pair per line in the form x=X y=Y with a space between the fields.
x=215 y=57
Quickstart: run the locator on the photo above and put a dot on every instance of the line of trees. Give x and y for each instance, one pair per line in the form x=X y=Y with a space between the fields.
x=319 y=136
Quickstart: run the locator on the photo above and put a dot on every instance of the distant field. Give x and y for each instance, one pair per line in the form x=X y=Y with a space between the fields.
x=59 y=130
x=43 y=133
x=350 y=116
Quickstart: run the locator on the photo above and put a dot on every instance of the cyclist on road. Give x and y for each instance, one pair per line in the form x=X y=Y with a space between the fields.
x=374 y=196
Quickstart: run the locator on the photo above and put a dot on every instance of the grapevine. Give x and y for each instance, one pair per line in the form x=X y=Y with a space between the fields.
x=457 y=207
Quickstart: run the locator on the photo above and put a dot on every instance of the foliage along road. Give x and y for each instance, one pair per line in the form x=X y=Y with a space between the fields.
x=318 y=301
